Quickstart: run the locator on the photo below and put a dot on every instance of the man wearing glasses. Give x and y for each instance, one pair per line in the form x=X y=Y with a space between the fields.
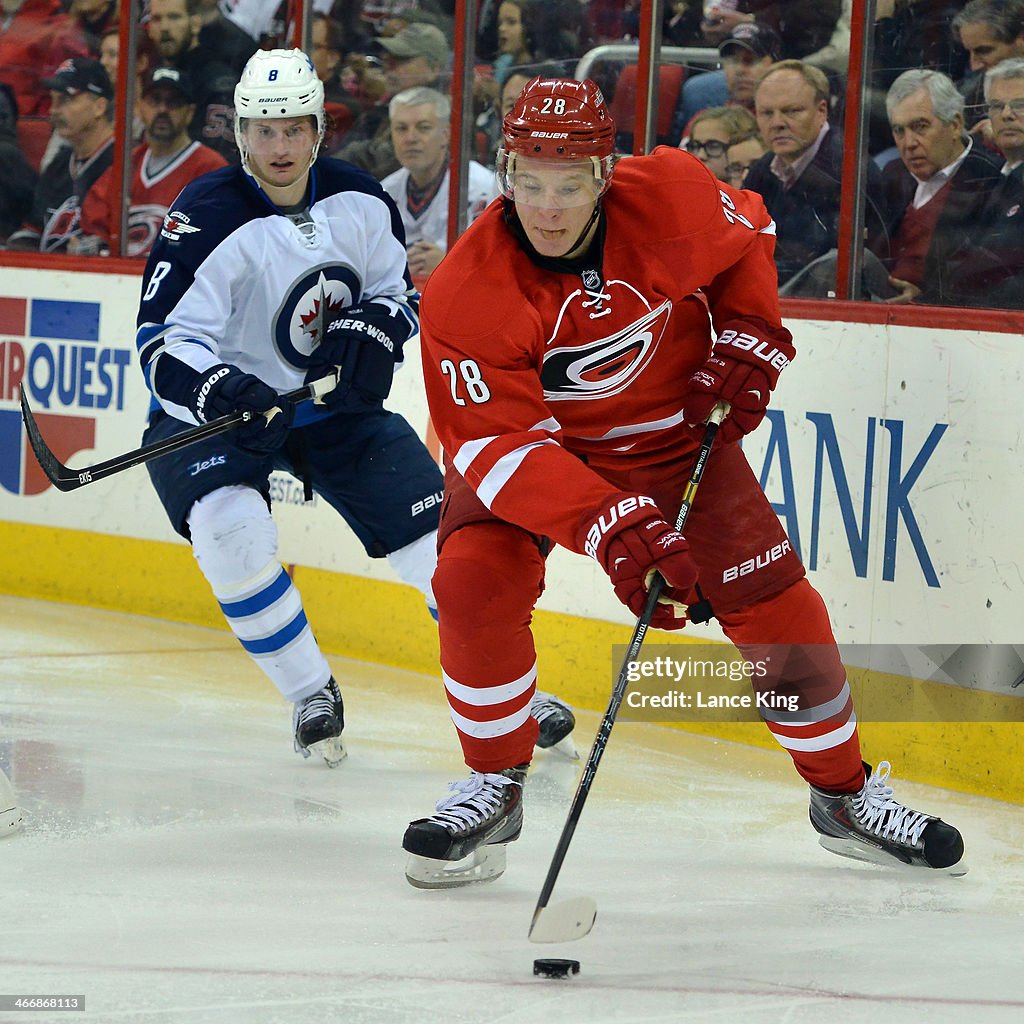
x=990 y=269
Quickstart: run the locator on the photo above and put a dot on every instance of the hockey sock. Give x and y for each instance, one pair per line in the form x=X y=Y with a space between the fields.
x=791 y=630
x=234 y=540
x=415 y=565
x=487 y=581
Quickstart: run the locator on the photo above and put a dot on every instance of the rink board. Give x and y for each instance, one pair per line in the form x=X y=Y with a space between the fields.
x=888 y=454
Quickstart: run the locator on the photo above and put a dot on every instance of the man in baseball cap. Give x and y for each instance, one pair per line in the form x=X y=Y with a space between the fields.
x=414 y=56
x=747 y=52
x=760 y=40
x=80 y=74
x=170 y=79
x=81 y=112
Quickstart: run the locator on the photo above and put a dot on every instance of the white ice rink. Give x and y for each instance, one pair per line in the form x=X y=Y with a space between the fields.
x=179 y=863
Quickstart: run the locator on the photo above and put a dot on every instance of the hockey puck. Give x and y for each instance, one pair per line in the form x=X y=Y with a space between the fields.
x=556 y=968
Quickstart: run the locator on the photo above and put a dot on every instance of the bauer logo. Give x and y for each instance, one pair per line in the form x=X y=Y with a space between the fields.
x=52 y=348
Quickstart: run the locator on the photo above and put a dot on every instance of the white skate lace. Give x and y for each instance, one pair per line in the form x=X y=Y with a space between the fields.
x=544 y=705
x=879 y=813
x=317 y=706
x=471 y=801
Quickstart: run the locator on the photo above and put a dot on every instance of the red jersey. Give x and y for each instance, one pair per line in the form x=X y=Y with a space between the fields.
x=25 y=53
x=533 y=371
x=151 y=195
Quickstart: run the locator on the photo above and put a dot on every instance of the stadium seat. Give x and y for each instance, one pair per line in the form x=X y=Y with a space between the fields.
x=623 y=103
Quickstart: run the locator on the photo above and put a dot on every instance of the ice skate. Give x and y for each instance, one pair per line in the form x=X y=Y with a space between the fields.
x=464 y=840
x=872 y=826
x=556 y=722
x=318 y=722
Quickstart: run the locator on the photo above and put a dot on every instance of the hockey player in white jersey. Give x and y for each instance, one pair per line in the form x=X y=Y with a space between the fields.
x=285 y=269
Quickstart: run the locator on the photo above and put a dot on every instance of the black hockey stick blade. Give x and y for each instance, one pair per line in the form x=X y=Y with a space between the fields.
x=66 y=479
x=572 y=919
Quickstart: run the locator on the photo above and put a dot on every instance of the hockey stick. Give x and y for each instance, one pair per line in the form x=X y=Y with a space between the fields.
x=65 y=479
x=572 y=919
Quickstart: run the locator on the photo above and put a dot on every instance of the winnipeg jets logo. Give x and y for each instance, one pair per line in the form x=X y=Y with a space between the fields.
x=176 y=226
x=312 y=303
x=605 y=367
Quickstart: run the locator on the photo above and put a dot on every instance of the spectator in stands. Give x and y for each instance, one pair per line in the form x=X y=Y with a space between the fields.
x=81 y=112
x=935 y=193
x=17 y=175
x=791 y=105
x=680 y=24
x=488 y=125
x=915 y=34
x=514 y=43
x=804 y=26
x=743 y=153
x=81 y=31
x=988 y=270
x=174 y=27
x=420 y=120
x=110 y=55
x=799 y=177
x=746 y=53
x=162 y=166
x=713 y=131
x=327 y=52
x=417 y=56
x=907 y=34
x=221 y=38
x=26 y=35
x=990 y=31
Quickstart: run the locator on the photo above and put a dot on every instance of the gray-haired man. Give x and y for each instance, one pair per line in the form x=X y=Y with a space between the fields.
x=935 y=192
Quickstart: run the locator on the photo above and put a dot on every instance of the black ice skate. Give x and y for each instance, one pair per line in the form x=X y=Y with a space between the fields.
x=556 y=722
x=318 y=722
x=464 y=840
x=872 y=826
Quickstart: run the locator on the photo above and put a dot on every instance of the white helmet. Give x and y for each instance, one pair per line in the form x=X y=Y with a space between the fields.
x=278 y=83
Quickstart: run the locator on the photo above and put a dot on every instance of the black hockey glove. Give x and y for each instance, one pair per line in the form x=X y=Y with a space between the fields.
x=226 y=389
x=361 y=345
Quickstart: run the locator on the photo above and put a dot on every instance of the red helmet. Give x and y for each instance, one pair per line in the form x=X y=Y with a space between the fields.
x=560 y=119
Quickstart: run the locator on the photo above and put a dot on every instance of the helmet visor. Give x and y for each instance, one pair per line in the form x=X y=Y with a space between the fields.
x=552 y=184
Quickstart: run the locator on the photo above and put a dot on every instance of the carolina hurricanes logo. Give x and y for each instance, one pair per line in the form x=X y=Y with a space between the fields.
x=599 y=369
x=144 y=223
x=62 y=224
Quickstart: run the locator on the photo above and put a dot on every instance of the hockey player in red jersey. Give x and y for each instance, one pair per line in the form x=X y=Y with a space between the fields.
x=570 y=360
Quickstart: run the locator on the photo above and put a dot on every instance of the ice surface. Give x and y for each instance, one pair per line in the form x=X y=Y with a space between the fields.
x=180 y=863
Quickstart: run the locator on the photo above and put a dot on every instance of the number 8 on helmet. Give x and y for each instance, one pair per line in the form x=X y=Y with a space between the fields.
x=277 y=84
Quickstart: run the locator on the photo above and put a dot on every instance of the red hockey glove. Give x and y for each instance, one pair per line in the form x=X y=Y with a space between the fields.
x=631 y=540
x=743 y=371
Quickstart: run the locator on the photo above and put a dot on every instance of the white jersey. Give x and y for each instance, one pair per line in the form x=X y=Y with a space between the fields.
x=231 y=279
x=431 y=223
